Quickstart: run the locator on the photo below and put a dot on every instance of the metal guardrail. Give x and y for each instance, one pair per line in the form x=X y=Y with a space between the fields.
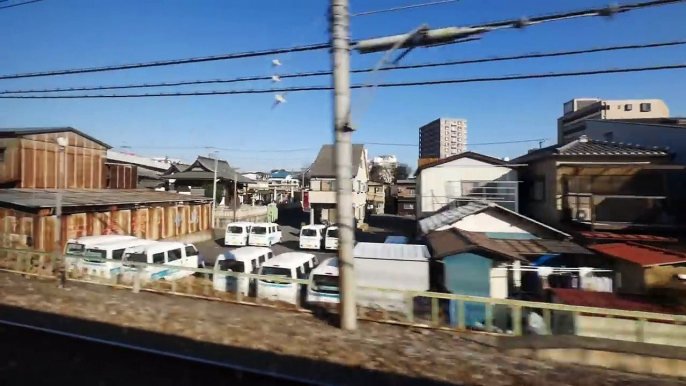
x=409 y=316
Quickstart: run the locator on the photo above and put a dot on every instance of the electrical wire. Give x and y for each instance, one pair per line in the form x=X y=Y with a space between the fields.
x=240 y=55
x=359 y=86
x=403 y=8
x=19 y=4
x=517 y=23
x=535 y=55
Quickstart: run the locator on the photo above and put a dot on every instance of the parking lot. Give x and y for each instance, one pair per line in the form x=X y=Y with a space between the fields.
x=210 y=249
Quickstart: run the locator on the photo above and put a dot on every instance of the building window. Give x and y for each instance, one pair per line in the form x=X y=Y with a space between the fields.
x=2 y=154
x=645 y=107
x=628 y=107
x=408 y=206
x=539 y=189
x=410 y=192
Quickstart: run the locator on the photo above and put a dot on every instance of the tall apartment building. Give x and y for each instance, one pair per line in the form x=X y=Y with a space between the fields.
x=443 y=138
x=576 y=111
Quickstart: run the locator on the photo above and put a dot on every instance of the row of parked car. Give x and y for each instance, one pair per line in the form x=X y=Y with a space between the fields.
x=120 y=250
x=314 y=237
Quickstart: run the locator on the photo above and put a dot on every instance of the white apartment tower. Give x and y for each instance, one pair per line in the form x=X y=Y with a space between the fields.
x=443 y=138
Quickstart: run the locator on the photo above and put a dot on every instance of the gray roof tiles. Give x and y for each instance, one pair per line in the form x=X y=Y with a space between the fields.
x=324 y=166
x=591 y=147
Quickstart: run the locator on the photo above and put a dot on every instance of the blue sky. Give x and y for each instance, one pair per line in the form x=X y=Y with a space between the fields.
x=61 y=34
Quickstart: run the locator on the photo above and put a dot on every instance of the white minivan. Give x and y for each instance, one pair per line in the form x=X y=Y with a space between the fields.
x=78 y=246
x=292 y=265
x=241 y=260
x=323 y=286
x=113 y=252
x=312 y=237
x=171 y=253
x=331 y=238
x=237 y=233
x=264 y=234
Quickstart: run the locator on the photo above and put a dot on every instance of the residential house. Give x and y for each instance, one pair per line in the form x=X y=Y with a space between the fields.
x=601 y=184
x=466 y=176
x=322 y=194
x=198 y=179
x=30 y=158
x=405 y=193
x=378 y=196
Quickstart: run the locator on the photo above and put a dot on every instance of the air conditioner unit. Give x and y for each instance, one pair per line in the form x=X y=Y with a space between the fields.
x=583 y=214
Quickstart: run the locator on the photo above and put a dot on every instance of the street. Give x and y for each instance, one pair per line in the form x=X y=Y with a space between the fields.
x=210 y=249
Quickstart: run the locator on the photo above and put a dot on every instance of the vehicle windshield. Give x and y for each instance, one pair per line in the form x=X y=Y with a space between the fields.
x=325 y=283
x=275 y=271
x=308 y=233
x=136 y=257
x=95 y=253
x=333 y=233
x=75 y=249
x=258 y=230
x=236 y=230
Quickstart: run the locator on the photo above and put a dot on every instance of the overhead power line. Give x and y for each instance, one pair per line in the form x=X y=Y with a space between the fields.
x=162 y=63
x=315 y=148
x=431 y=37
x=403 y=8
x=359 y=86
x=358 y=71
x=19 y=4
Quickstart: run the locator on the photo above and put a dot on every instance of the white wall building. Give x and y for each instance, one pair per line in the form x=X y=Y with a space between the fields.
x=467 y=176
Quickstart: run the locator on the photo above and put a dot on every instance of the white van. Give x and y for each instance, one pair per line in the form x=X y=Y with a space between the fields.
x=77 y=246
x=312 y=237
x=264 y=234
x=237 y=233
x=113 y=252
x=323 y=286
x=331 y=238
x=243 y=260
x=292 y=265
x=163 y=252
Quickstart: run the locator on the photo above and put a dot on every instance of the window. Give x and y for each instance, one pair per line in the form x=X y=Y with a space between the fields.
x=333 y=233
x=235 y=230
x=258 y=230
x=628 y=107
x=2 y=154
x=262 y=259
x=269 y=256
x=645 y=107
x=308 y=233
x=408 y=206
x=158 y=258
x=173 y=255
x=139 y=257
x=539 y=189
x=275 y=271
x=118 y=254
x=410 y=192
x=301 y=273
x=325 y=284
x=254 y=266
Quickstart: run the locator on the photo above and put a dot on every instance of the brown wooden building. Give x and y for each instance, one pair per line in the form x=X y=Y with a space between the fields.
x=27 y=216
x=30 y=158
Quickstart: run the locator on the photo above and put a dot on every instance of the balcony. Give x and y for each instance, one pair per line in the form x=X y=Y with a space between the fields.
x=322 y=197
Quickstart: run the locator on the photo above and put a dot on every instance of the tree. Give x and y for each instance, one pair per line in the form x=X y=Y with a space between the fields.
x=382 y=173
x=402 y=172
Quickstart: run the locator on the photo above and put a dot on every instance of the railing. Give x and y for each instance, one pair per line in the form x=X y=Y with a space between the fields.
x=416 y=308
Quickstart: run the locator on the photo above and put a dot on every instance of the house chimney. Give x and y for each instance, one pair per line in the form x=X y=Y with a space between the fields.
x=583 y=139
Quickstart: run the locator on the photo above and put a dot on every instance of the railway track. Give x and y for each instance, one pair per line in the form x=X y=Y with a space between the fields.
x=31 y=355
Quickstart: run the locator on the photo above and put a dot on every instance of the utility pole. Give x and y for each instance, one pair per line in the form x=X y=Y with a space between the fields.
x=214 y=188
x=340 y=24
x=60 y=259
x=235 y=188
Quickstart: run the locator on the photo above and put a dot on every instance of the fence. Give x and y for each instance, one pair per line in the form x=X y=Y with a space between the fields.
x=423 y=309
x=225 y=215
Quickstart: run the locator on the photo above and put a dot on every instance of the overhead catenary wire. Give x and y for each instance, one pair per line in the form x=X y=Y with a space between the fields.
x=515 y=23
x=361 y=86
x=404 y=7
x=535 y=55
x=18 y=4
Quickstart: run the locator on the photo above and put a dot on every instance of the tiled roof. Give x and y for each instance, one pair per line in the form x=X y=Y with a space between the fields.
x=453 y=241
x=467 y=154
x=575 y=297
x=543 y=247
x=324 y=165
x=627 y=237
x=643 y=255
x=584 y=146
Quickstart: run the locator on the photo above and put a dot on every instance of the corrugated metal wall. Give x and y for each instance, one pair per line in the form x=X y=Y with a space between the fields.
x=149 y=223
x=36 y=158
x=10 y=167
x=120 y=176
